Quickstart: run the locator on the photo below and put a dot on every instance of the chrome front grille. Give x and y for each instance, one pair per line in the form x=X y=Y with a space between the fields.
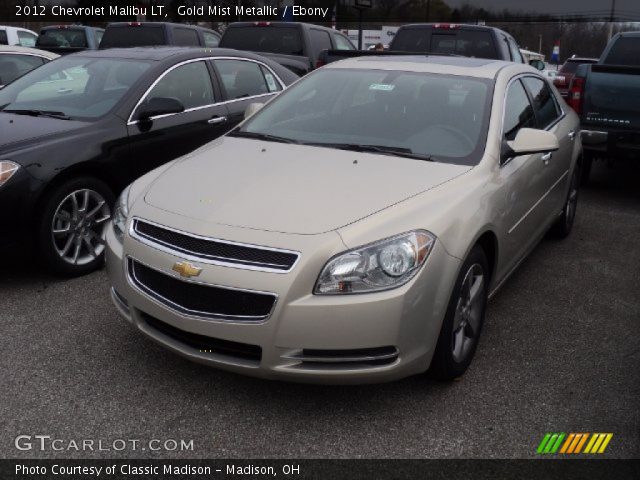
x=213 y=250
x=199 y=299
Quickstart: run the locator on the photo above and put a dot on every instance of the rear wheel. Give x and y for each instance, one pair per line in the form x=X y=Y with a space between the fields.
x=464 y=318
x=70 y=229
x=563 y=226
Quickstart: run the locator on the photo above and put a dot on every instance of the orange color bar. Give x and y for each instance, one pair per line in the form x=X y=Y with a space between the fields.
x=567 y=442
x=575 y=442
x=581 y=443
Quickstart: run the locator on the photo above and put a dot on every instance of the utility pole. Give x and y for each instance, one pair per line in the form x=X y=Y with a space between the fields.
x=611 y=19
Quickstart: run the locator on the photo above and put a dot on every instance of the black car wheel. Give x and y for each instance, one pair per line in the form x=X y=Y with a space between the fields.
x=564 y=224
x=70 y=230
x=463 y=321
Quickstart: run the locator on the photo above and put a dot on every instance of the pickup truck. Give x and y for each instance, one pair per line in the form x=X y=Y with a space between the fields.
x=153 y=34
x=606 y=95
x=64 y=39
x=447 y=39
x=296 y=46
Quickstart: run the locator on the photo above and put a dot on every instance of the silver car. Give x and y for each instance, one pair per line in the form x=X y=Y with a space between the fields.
x=353 y=229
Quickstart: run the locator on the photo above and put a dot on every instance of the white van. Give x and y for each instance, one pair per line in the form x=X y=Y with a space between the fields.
x=17 y=36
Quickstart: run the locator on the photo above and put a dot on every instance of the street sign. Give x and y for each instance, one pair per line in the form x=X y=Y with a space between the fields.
x=555 y=55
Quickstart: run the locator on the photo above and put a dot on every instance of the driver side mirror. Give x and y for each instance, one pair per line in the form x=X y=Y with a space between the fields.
x=529 y=141
x=537 y=64
x=159 y=106
x=252 y=108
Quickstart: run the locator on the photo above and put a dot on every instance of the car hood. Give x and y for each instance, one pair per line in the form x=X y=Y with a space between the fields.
x=289 y=188
x=19 y=130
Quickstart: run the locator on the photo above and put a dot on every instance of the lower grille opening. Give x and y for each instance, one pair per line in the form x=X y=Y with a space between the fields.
x=206 y=344
x=347 y=358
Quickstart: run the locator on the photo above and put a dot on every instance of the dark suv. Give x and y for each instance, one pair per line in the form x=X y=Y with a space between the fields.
x=147 y=34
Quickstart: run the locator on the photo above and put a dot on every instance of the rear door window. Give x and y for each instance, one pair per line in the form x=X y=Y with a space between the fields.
x=185 y=37
x=242 y=79
x=546 y=108
x=4 y=39
x=189 y=83
x=27 y=39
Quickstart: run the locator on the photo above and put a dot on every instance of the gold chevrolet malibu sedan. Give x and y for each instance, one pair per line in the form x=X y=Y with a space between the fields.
x=352 y=230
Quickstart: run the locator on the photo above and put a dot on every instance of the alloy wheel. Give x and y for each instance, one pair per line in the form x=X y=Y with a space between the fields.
x=468 y=314
x=77 y=226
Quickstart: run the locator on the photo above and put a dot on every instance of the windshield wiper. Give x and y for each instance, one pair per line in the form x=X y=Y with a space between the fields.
x=260 y=136
x=40 y=113
x=385 y=150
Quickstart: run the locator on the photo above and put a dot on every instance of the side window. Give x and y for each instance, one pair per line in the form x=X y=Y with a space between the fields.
x=189 y=83
x=518 y=111
x=14 y=66
x=272 y=84
x=241 y=78
x=343 y=43
x=320 y=40
x=210 y=40
x=185 y=37
x=27 y=39
x=547 y=110
x=4 y=40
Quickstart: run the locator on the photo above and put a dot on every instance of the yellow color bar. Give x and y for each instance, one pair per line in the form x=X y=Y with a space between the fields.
x=591 y=442
x=567 y=442
x=606 y=441
x=596 y=445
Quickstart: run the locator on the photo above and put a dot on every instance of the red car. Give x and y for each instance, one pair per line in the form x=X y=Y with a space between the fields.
x=568 y=69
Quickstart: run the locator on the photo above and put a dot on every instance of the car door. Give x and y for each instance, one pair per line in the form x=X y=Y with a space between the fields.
x=524 y=179
x=549 y=116
x=166 y=137
x=242 y=82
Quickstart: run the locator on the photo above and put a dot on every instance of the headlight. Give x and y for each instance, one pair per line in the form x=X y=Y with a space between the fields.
x=378 y=266
x=7 y=170
x=120 y=214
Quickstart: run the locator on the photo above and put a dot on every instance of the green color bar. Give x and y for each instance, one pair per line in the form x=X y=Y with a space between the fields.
x=550 y=443
x=543 y=443
x=555 y=448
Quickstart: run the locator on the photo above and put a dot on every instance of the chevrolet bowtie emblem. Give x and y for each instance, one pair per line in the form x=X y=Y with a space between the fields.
x=186 y=269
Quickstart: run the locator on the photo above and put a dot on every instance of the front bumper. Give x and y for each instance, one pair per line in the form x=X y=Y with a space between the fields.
x=364 y=338
x=16 y=205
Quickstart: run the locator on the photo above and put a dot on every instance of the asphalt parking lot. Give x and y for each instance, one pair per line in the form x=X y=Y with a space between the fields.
x=559 y=353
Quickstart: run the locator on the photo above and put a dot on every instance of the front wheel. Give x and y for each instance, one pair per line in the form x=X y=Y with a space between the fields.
x=464 y=318
x=70 y=229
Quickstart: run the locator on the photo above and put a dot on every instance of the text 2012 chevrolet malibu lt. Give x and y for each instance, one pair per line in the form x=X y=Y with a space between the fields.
x=352 y=229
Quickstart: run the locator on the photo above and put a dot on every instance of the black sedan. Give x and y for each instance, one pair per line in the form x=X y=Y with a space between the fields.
x=75 y=132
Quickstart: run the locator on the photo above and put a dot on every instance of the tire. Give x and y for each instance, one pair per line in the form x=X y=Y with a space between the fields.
x=564 y=224
x=585 y=169
x=73 y=218
x=463 y=321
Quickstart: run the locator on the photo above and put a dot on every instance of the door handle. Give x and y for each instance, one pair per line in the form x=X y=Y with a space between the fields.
x=546 y=157
x=216 y=120
x=571 y=134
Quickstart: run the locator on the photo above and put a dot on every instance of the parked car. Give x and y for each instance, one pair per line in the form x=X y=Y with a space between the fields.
x=566 y=72
x=17 y=36
x=65 y=39
x=606 y=95
x=75 y=131
x=445 y=39
x=353 y=228
x=149 y=34
x=16 y=61
x=297 y=46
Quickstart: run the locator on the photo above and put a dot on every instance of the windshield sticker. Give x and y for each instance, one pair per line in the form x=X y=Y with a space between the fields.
x=381 y=86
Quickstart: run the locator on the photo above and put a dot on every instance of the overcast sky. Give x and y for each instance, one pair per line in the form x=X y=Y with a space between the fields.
x=628 y=7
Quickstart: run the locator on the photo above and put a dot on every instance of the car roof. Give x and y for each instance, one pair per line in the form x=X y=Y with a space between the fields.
x=279 y=24
x=69 y=27
x=472 y=67
x=164 y=52
x=27 y=50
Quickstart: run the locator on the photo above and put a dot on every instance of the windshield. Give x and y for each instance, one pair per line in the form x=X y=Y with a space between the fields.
x=283 y=40
x=440 y=117
x=78 y=87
